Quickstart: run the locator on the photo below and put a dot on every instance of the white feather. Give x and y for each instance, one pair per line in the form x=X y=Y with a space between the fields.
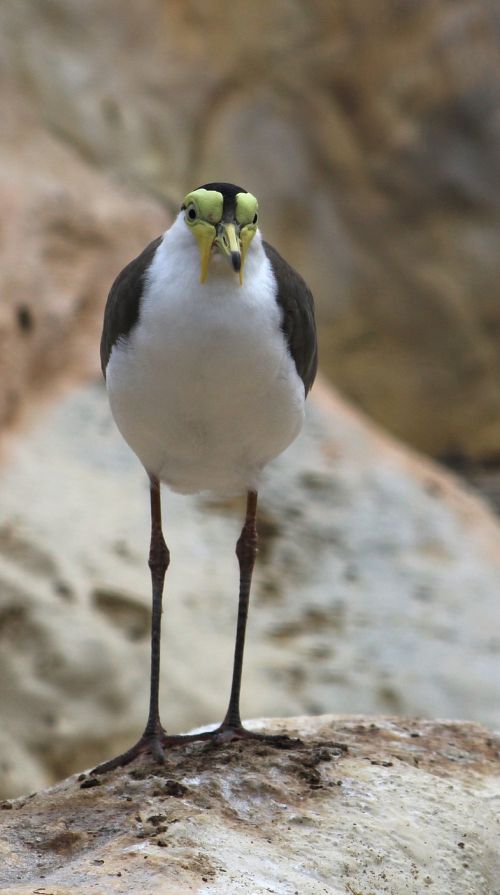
x=204 y=389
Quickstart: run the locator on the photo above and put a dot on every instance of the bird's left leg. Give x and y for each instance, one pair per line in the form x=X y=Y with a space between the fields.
x=232 y=727
x=246 y=551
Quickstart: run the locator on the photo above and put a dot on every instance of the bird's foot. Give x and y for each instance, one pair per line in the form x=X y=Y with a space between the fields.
x=151 y=743
x=228 y=733
x=155 y=743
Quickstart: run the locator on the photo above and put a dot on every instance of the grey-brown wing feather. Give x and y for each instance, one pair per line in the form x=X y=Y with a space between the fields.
x=298 y=323
x=124 y=299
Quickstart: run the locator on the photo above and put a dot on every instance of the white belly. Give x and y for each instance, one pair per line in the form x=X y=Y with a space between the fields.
x=204 y=390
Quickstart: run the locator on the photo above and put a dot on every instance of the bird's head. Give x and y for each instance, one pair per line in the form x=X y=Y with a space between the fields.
x=223 y=218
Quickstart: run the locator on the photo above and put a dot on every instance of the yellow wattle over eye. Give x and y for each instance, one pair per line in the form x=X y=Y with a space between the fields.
x=207 y=204
x=246 y=209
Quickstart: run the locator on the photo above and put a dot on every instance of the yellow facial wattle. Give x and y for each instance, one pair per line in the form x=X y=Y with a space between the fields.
x=230 y=230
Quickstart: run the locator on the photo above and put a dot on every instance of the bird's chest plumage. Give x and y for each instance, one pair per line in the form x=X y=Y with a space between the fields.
x=204 y=389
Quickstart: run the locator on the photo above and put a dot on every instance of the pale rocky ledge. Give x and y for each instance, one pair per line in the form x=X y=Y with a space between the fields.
x=360 y=807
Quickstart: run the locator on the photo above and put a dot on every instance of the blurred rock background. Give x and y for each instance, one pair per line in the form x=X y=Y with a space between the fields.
x=371 y=135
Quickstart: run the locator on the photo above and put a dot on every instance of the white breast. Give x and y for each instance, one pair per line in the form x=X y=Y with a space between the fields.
x=204 y=389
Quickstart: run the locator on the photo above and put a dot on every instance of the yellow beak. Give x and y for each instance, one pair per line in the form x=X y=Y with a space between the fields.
x=228 y=242
x=226 y=239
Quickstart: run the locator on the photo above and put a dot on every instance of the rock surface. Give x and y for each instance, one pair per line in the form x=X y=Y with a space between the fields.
x=371 y=137
x=361 y=807
x=376 y=590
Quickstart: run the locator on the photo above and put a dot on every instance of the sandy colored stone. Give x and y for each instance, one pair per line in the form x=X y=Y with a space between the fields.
x=360 y=806
x=371 y=138
x=376 y=590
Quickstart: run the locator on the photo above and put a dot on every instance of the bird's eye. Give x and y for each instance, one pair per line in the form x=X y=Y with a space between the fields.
x=255 y=219
x=191 y=213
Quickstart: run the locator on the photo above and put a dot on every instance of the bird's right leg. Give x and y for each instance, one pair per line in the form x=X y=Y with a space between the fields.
x=159 y=558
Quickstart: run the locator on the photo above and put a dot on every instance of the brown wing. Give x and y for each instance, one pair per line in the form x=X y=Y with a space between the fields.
x=298 y=323
x=124 y=300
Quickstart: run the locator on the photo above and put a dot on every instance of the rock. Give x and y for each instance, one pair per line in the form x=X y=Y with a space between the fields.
x=371 y=139
x=66 y=231
x=361 y=806
x=376 y=590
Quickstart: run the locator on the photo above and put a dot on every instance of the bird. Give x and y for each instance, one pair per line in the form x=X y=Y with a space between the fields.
x=208 y=352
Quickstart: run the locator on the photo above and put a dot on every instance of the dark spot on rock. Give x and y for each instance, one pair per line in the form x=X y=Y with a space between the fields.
x=433 y=488
x=351 y=572
x=347 y=94
x=285 y=742
x=111 y=111
x=324 y=755
x=423 y=593
x=122 y=549
x=312 y=777
x=12 y=620
x=61 y=842
x=339 y=747
x=63 y=589
x=156 y=819
x=24 y=319
x=123 y=612
x=138 y=774
x=88 y=784
x=226 y=759
x=173 y=788
x=312 y=761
